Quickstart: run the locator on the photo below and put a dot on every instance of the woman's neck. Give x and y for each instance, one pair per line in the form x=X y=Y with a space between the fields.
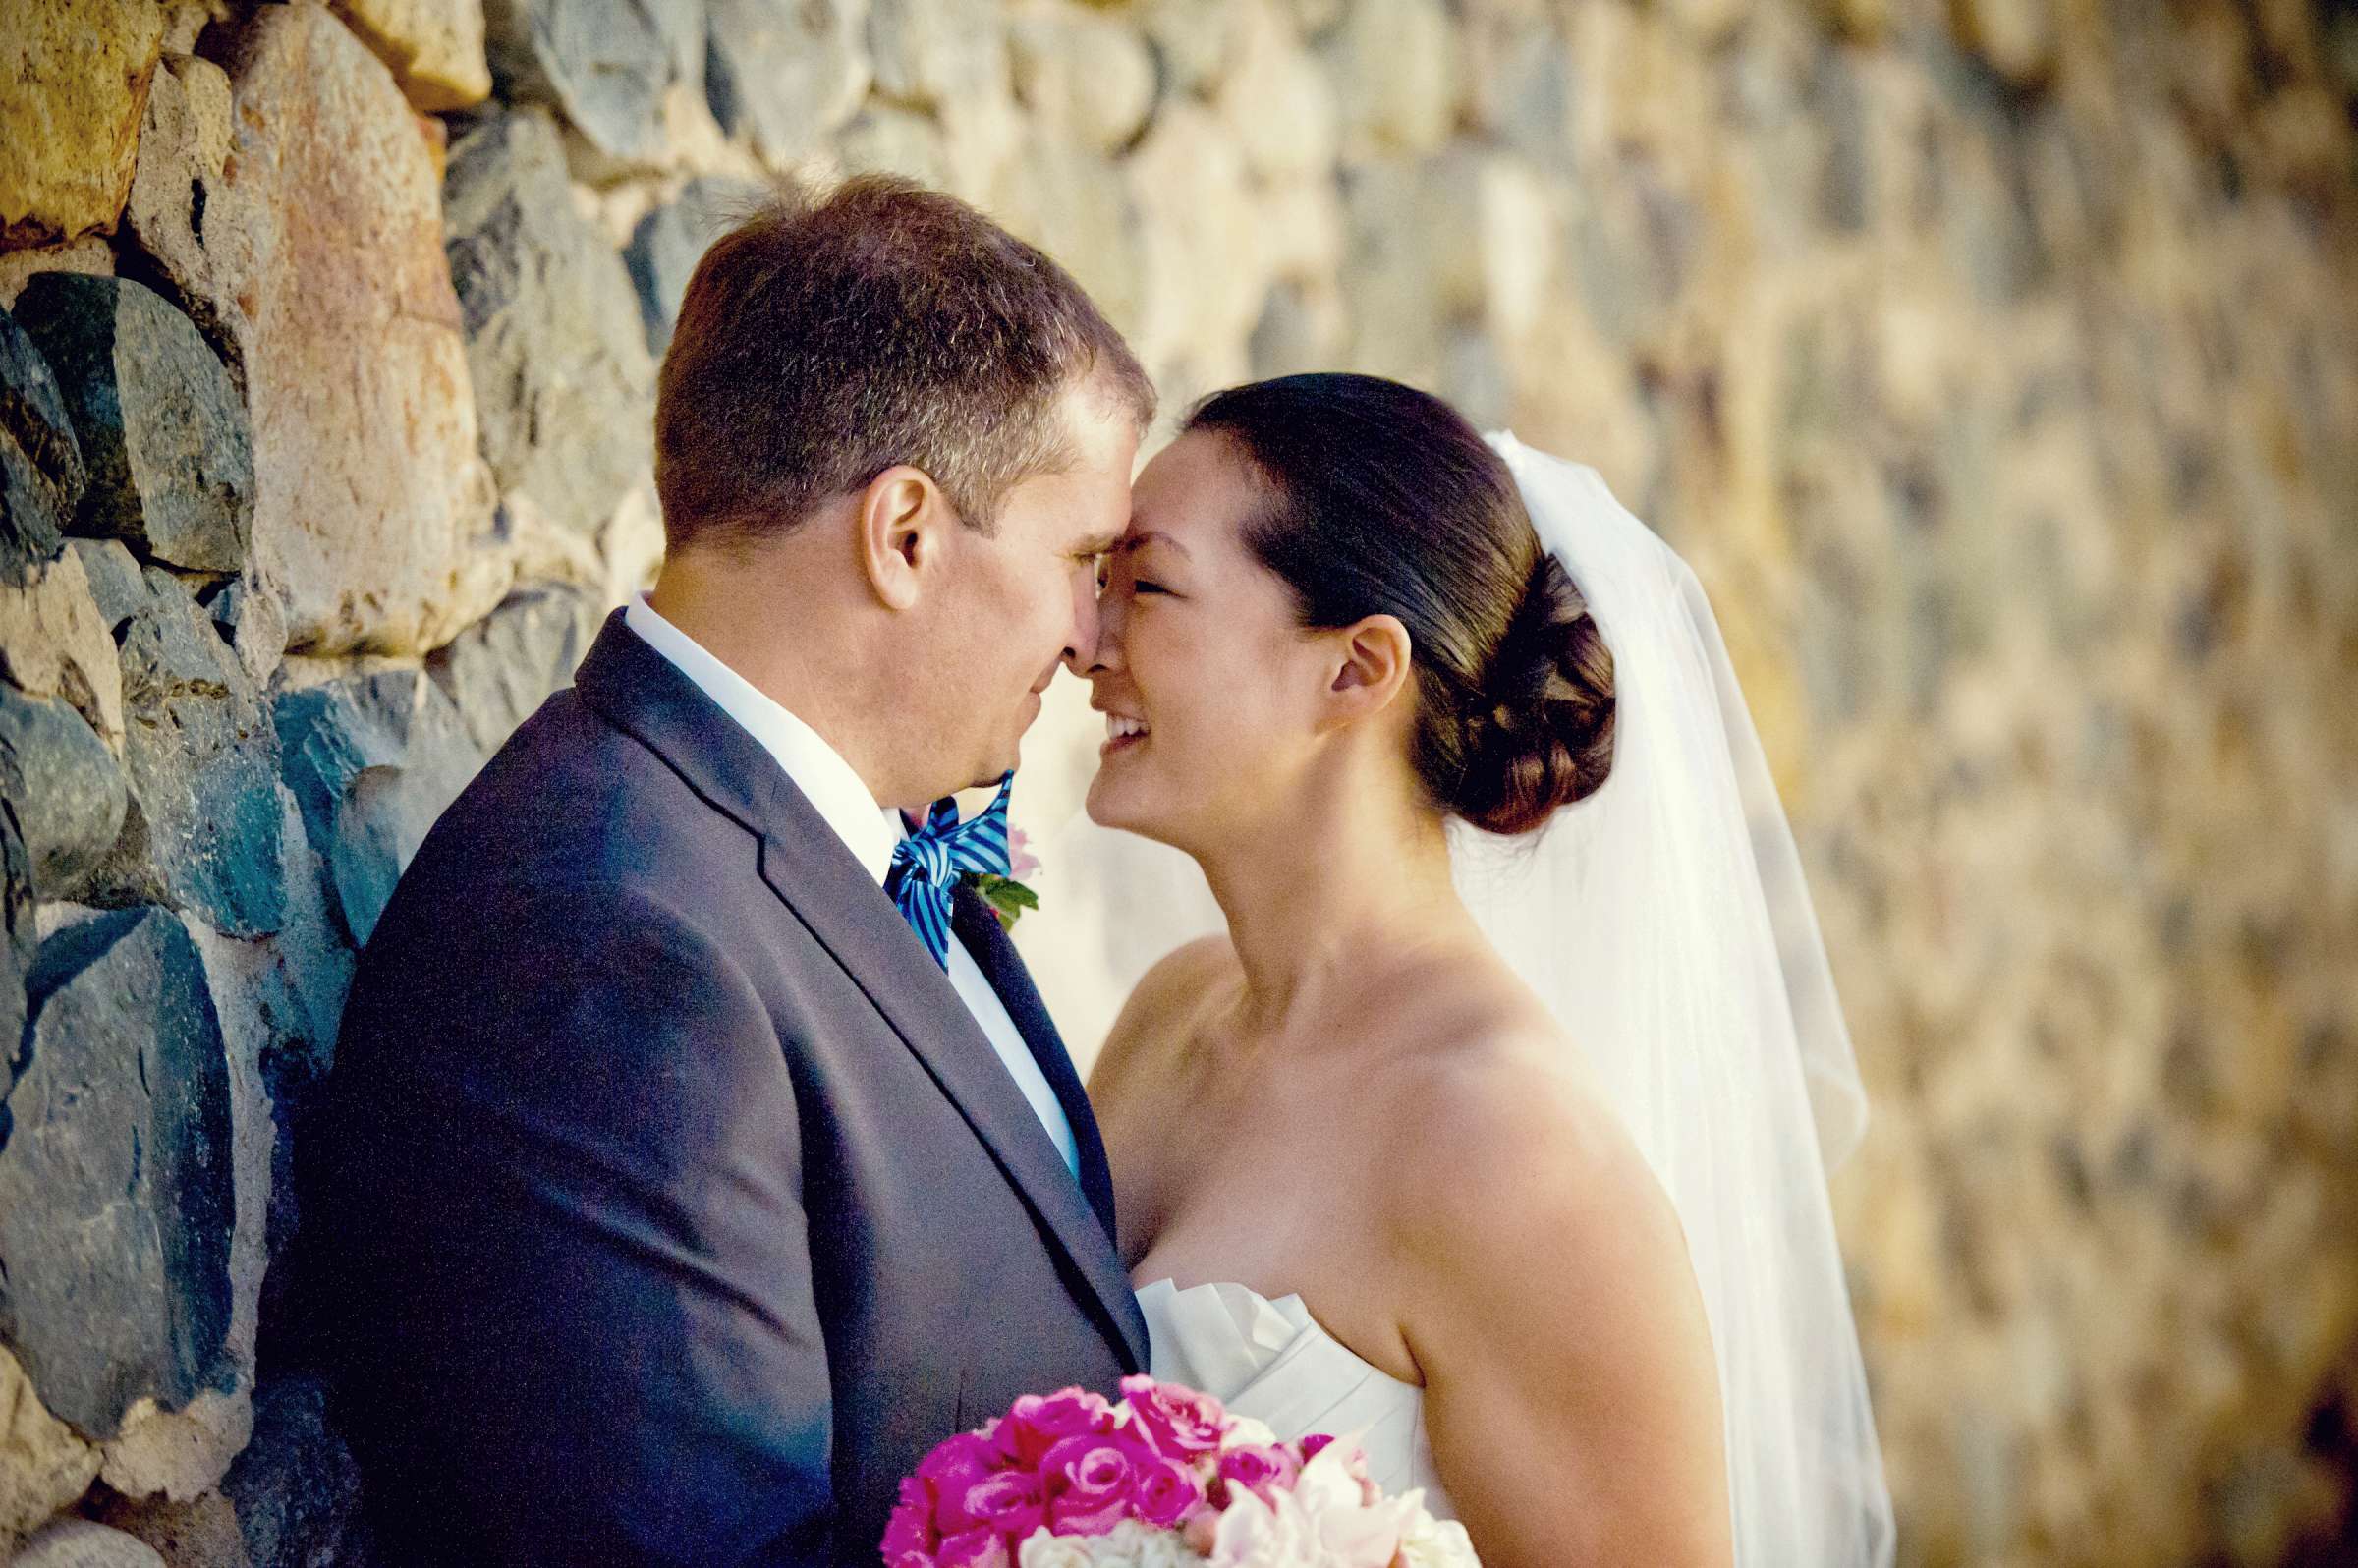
x=1347 y=878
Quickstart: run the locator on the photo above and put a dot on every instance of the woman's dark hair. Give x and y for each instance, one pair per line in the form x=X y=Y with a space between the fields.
x=1383 y=500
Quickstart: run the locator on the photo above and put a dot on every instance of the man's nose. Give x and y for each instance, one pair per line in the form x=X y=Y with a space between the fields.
x=1080 y=652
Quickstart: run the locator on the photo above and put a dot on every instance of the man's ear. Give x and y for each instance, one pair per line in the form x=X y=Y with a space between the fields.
x=897 y=532
x=1369 y=667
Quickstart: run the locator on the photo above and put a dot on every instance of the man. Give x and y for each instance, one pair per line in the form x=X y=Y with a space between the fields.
x=697 y=1153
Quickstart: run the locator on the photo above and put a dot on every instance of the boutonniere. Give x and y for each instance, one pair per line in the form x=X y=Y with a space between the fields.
x=1007 y=895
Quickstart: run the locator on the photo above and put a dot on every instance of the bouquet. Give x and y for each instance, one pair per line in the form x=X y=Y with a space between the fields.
x=1163 y=1478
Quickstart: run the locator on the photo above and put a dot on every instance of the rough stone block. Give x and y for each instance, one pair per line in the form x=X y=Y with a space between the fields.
x=74 y=78
x=42 y=471
x=65 y=786
x=783 y=74
x=116 y=1194
x=553 y=338
x=372 y=761
x=434 y=48
x=161 y=426
x=373 y=505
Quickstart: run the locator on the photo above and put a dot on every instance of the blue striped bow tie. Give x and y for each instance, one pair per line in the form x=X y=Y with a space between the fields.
x=928 y=863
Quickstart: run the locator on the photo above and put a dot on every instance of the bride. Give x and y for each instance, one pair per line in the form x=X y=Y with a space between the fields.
x=1485 y=1130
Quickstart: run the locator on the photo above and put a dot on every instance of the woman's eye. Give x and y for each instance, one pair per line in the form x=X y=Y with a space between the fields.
x=1142 y=585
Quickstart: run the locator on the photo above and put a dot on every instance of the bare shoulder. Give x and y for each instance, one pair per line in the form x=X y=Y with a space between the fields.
x=1510 y=1145
x=1162 y=1003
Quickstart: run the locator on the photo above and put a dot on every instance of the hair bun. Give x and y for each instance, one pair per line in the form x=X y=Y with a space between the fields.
x=1540 y=733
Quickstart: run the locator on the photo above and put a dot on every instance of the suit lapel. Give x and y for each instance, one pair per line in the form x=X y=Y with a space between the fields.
x=979 y=928
x=818 y=879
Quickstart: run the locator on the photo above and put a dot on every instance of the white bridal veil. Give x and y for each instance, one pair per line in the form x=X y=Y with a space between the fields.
x=1666 y=921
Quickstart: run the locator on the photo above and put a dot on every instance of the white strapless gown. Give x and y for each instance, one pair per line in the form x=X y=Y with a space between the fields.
x=1271 y=1361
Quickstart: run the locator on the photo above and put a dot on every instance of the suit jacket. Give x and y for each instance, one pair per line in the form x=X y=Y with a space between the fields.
x=669 y=1204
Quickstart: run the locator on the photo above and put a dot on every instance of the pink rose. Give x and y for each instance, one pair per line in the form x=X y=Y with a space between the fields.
x=1088 y=1483
x=1264 y=1470
x=956 y=1460
x=1166 y=1492
x=1311 y=1445
x=1038 y=1422
x=1180 y=1423
x=1010 y=1504
x=1022 y=862
x=910 y=1532
x=973 y=1549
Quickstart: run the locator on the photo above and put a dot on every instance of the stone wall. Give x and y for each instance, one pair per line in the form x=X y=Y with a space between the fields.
x=1995 y=361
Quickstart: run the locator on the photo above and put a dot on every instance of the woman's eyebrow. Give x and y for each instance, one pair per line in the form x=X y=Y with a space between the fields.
x=1134 y=541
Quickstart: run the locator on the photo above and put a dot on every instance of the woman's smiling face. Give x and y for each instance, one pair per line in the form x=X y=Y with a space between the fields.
x=1203 y=668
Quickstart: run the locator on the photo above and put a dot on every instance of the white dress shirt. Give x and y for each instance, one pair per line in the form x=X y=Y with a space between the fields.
x=870 y=831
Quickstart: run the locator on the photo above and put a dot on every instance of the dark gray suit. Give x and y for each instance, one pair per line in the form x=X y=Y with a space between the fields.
x=671 y=1204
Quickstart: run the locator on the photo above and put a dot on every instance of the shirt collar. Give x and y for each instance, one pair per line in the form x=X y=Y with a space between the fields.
x=838 y=794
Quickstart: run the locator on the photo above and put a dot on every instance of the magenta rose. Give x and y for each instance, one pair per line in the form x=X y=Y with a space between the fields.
x=973 y=1549
x=1165 y=1492
x=1089 y=1484
x=1311 y=1444
x=1038 y=1422
x=1009 y=1503
x=1180 y=1423
x=910 y=1530
x=1262 y=1469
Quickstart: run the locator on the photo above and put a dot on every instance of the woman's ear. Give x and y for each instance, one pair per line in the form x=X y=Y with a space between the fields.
x=1370 y=662
x=897 y=532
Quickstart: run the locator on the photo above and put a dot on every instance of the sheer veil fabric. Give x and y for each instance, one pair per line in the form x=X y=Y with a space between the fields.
x=1665 y=922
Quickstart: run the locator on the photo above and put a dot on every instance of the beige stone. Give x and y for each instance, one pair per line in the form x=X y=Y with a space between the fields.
x=54 y=642
x=373 y=501
x=433 y=47
x=1087 y=79
x=1206 y=264
x=1278 y=101
x=74 y=78
x=90 y=256
x=197 y=1532
x=43 y=1465
x=79 y=1543
x=2016 y=37
x=1398 y=75
x=951 y=57
x=183 y=148
x=182 y=1453
x=1077 y=208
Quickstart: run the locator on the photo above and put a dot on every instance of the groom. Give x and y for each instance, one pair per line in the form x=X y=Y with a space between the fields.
x=698 y=1152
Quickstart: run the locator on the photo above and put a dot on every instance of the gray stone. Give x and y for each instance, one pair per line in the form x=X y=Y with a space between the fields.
x=203 y=829
x=606 y=64
x=17 y=951
x=64 y=784
x=497 y=672
x=564 y=387
x=295 y=1488
x=116 y=1194
x=42 y=473
x=1632 y=239
x=82 y=1543
x=118 y=586
x=669 y=242
x=372 y=761
x=162 y=428
x=784 y=73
